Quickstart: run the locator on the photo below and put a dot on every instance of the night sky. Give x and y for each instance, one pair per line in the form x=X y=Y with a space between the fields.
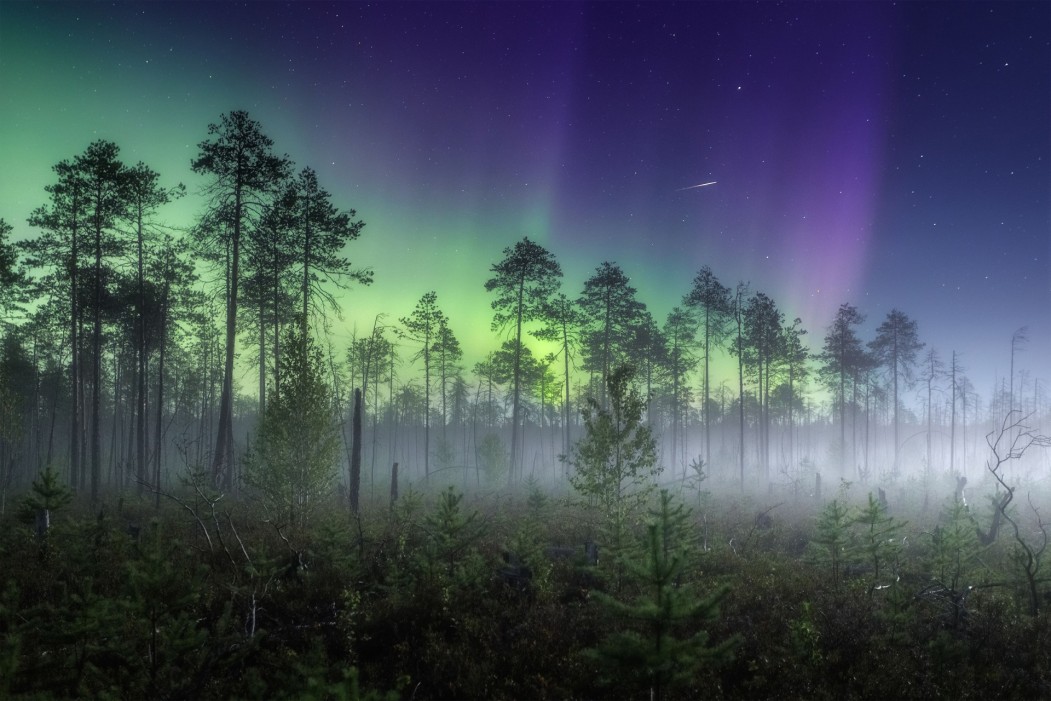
x=879 y=154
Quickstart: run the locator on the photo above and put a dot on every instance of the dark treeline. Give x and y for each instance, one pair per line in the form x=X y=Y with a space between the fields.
x=125 y=341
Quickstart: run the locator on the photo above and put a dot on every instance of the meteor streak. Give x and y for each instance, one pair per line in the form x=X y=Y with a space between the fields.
x=691 y=187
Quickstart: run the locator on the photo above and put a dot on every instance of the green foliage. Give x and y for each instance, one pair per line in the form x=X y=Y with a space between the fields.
x=293 y=463
x=10 y=640
x=165 y=595
x=833 y=545
x=662 y=647
x=615 y=462
x=411 y=601
x=492 y=454
x=878 y=541
x=954 y=547
x=451 y=534
x=47 y=494
x=867 y=538
x=444 y=453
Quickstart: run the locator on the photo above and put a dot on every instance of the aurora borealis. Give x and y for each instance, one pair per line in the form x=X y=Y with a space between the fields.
x=879 y=154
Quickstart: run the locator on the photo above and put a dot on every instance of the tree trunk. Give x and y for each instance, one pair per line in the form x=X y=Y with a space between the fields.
x=517 y=388
x=355 y=455
x=158 y=444
x=96 y=369
x=222 y=462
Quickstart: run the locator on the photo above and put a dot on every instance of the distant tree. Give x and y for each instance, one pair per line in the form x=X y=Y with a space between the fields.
x=763 y=340
x=322 y=233
x=841 y=357
x=244 y=173
x=19 y=380
x=145 y=195
x=293 y=462
x=967 y=399
x=562 y=325
x=268 y=286
x=370 y=359
x=647 y=350
x=612 y=309
x=796 y=357
x=423 y=327
x=503 y=367
x=955 y=375
x=894 y=348
x=59 y=247
x=106 y=187
x=524 y=281
x=548 y=391
x=739 y=351
x=933 y=370
x=714 y=306
x=489 y=374
x=447 y=349
x=680 y=328
x=12 y=275
x=1018 y=339
x=179 y=302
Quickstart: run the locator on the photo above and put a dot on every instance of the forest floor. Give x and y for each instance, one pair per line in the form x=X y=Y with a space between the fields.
x=501 y=596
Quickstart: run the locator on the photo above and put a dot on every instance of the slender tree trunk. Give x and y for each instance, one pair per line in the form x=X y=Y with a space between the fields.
x=262 y=361
x=565 y=359
x=116 y=460
x=158 y=443
x=306 y=264
x=140 y=351
x=427 y=409
x=740 y=383
x=894 y=372
x=791 y=421
x=517 y=382
x=96 y=368
x=74 y=365
x=276 y=294
x=952 y=425
x=222 y=463
x=355 y=455
x=707 y=390
x=842 y=409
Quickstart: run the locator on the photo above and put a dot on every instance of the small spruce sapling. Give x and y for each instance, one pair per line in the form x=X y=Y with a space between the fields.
x=878 y=543
x=452 y=534
x=662 y=647
x=293 y=463
x=46 y=495
x=834 y=543
x=954 y=558
x=615 y=462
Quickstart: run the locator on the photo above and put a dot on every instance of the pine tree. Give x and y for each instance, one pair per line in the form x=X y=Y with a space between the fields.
x=12 y=275
x=895 y=348
x=423 y=327
x=714 y=308
x=524 y=281
x=841 y=358
x=244 y=175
